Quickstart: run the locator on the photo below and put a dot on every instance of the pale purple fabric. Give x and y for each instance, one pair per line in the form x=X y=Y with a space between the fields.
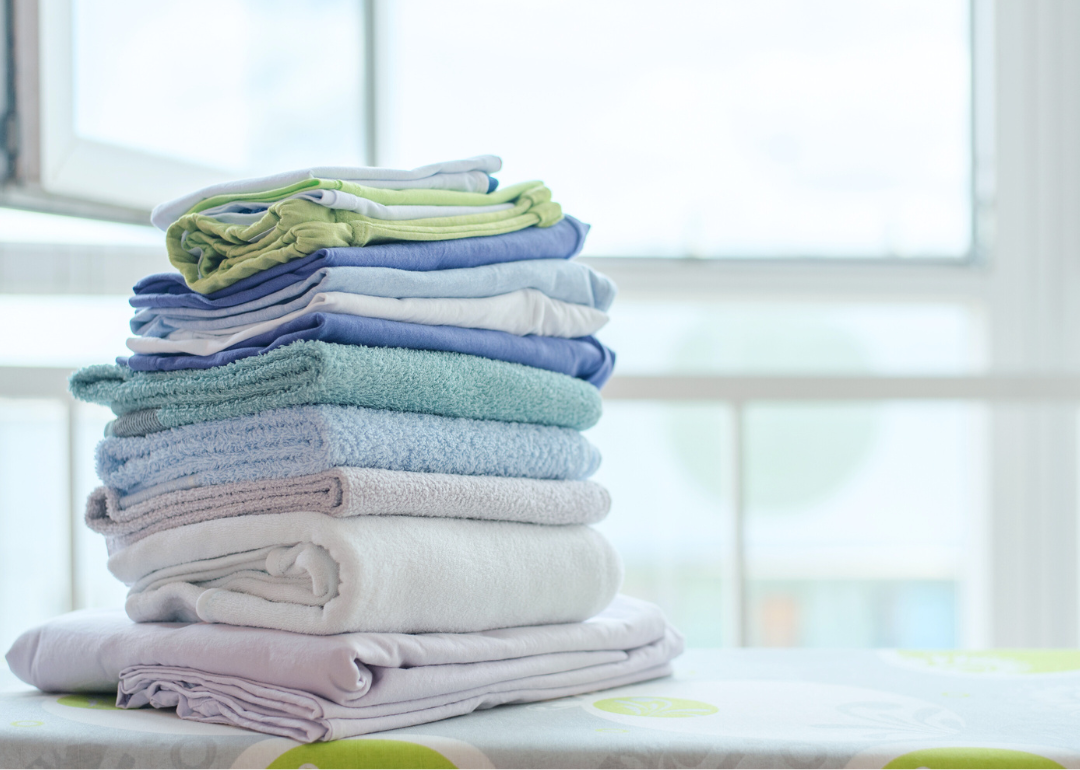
x=321 y=688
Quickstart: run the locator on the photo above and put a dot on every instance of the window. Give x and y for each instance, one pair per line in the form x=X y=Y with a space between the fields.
x=703 y=129
x=845 y=407
x=129 y=115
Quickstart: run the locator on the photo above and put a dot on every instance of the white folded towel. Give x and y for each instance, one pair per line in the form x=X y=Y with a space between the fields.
x=309 y=573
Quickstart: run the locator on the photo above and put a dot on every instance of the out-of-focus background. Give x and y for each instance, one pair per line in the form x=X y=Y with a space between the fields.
x=847 y=234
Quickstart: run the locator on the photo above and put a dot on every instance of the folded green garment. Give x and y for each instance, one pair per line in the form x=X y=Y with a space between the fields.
x=399 y=379
x=212 y=254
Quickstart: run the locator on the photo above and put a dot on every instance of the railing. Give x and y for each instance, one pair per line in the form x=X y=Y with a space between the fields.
x=735 y=391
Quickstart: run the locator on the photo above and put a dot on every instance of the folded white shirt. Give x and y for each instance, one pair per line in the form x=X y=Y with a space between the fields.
x=526 y=311
x=244 y=213
x=468 y=175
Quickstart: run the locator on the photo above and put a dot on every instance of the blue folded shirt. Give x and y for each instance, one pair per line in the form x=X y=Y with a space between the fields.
x=560 y=279
x=563 y=240
x=583 y=357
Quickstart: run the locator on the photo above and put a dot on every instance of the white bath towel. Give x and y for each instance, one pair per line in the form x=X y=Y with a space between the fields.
x=521 y=312
x=309 y=573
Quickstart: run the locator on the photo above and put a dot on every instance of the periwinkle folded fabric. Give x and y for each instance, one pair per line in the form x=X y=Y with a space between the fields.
x=282 y=443
x=567 y=281
x=470 y=175
x=558 y=279
x=212 y=255
x=584 y=357
x=563 y=240
x=313 y=574
x=448 y=384
x=326 y=687
x=519 y=313
x=348 y=492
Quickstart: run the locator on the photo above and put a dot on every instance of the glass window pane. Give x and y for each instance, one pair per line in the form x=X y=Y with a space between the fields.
x=758 y=337
x=708 y=128
x=247 y=87
x=17 y=226
x=662 y=466
x=858 y=521
x=69 y=330
x=34 y=575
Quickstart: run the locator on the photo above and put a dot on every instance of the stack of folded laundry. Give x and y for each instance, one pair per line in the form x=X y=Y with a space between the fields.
x=346 y=483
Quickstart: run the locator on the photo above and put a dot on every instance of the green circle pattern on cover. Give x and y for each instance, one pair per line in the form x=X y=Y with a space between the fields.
x=362 y=754
x=963 y=757
x=668 y=708
x=997 y=661
x=104 y=702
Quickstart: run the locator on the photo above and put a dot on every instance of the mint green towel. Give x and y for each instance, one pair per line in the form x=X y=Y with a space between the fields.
x=212 y=254
x=399 y=379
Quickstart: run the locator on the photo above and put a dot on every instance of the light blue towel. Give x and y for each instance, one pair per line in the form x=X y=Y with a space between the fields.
x=557 y=278
x=283 y=443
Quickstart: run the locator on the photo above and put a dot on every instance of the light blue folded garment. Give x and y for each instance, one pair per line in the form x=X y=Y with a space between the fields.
x=283 y=443
x=557 y=278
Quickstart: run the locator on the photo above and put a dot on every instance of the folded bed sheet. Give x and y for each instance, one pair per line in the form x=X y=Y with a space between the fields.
x=448 y=384
x=563 y=240
x=212 y=254
x=314 y=574
x=323 y=688
x=283 y=443
x=519 y=313
x=347 y=492
x=468 y=175
x=582 y=357
x=558 y=279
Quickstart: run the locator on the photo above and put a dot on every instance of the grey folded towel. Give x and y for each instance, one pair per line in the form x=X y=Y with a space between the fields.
x=345 y=492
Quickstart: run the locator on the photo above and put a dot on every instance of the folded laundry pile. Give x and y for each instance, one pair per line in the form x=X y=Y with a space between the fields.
x=345 y=483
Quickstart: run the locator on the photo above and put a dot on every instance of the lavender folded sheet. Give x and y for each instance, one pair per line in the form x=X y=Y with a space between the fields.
x=584 y=357
x=563 y=240
x=323 y=688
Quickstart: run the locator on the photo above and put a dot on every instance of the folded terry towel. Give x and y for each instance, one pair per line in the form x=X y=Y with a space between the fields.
x=469 y=175
x=282 y=443
x=329 y=687
x=313 y=574
x=563 y=240
x=558 y=279
x=583 y=357
x=348 y=492
x=448 y=384
x=212 y=254
x=518 y=313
